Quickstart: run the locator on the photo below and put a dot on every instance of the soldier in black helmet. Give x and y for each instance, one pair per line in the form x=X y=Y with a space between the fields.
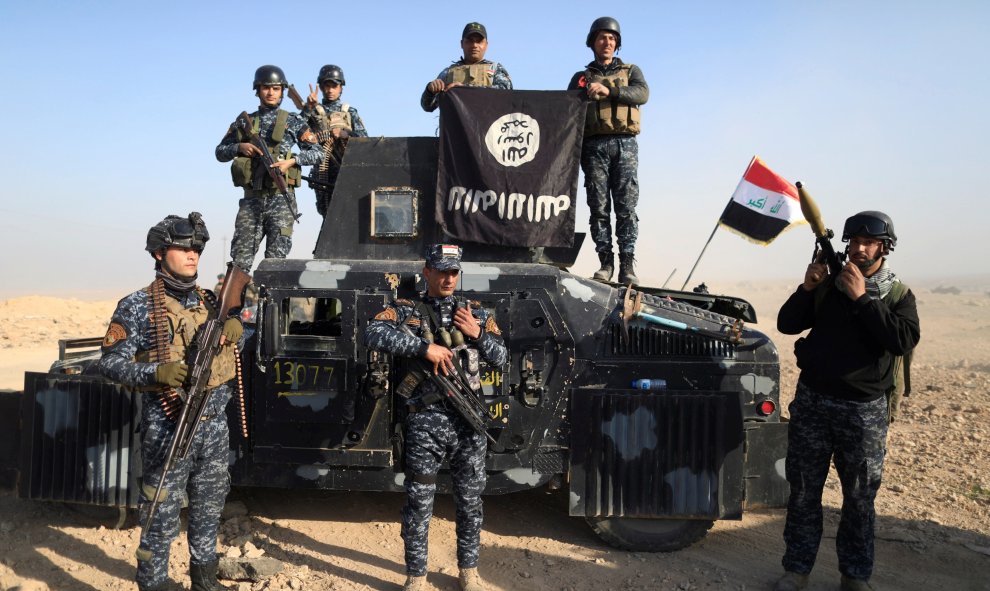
x=471 y=70
x=862 y=321
x=265 y=212
x=145 y=348
x=610 y=154
x=333 y=121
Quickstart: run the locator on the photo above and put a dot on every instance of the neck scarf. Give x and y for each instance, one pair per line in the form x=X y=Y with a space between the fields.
x=174 y=285
x=879 y=284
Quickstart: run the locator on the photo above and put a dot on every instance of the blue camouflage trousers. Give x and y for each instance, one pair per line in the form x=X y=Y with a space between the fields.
x=609 y=163
x=262 y=217
x=432 y=435
x=853 y=434
x=202 y=474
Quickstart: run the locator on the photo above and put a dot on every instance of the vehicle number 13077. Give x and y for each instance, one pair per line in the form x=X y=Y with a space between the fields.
x=302 y=375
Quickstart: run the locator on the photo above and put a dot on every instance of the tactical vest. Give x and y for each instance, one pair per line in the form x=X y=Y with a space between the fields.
x=183 y=323
x=341 y=118
x=607 y=116
x=479 y=74
x=242 y=169
x=468 y=356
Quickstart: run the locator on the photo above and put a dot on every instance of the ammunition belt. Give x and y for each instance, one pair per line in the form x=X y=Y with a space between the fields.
x=169 y=398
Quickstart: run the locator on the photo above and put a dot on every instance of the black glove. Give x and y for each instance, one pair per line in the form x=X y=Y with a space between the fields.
x=172 y=373
x=232 y=330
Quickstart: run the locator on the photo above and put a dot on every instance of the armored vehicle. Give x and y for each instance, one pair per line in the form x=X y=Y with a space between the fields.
x=649 y=469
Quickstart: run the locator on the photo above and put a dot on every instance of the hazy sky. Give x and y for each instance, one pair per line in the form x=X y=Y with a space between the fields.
x=113 y=110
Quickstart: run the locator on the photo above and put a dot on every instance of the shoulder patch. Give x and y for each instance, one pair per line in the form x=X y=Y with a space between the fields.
x=491 y=327
x=413 y=321
x=387 y=314
x=307 y=136
x=115 y=333
x=404 y=302
x=475 y=304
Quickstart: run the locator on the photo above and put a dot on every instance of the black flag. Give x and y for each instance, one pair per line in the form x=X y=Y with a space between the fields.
x=508 y=165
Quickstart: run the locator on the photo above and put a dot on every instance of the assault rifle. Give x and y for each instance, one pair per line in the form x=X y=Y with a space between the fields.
x=316 y=182
x=296 y=98
x=824 y=253
x=200 y=358
x=455 y=389
x=246 y=126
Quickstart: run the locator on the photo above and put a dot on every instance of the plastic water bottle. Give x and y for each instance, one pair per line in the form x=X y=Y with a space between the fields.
x=650 y=384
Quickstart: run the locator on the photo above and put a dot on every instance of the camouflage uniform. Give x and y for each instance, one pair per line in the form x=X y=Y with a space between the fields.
x=437 y=432
x=500 y=79
x=840 y=411
x=202 y=475
x=610 y=161
x=267 y=213
x=357 y=129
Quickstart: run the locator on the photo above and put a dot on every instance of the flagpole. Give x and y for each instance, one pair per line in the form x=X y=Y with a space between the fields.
x=701 y=254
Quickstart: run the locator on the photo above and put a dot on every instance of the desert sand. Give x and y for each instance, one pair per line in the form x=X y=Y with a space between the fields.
x=933 y=525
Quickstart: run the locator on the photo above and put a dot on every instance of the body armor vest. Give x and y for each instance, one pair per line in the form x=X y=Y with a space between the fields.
x=432 y=328
x=610 y=116
x=183 y=323
x=242 y=169
x=341 y=118
x=479 y=74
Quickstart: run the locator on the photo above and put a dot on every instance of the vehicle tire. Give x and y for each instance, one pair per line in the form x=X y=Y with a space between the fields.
x=649 y=535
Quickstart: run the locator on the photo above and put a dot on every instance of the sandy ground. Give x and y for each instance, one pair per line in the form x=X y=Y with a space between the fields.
x=933 y=525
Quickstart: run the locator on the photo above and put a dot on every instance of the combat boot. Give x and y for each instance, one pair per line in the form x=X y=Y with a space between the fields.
x=850 y=584
x=608 y=267
x=627 y=273
x=415 y=583
x=791 y=582
x=471 y=580
x=204 y=577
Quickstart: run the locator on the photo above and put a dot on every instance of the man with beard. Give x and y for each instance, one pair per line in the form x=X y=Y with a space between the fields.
x=471 y=70
x=265 y=211
x=145 y=348
x=862 y=321
x=610 y=154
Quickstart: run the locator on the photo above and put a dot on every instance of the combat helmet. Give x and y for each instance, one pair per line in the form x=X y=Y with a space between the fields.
x=331 y=72
x=266 y=75
x=875 y=224
x=604 y=23
x=188 y=232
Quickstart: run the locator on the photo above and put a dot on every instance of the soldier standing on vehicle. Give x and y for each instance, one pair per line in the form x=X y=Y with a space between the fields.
x=265 y=211
x=861 y=320
x=610 y=154
x=447 y=331
x=471 y=70
x=145 y=347
x=333 y=121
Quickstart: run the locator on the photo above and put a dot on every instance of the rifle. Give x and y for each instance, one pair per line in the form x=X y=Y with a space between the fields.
x=246 y=126
x=456 y=390
x=318 y=183
x=200 y=359
x=824 y=253
x=297 y=99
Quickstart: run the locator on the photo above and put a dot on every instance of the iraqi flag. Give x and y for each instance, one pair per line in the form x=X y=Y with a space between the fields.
x=764 y=205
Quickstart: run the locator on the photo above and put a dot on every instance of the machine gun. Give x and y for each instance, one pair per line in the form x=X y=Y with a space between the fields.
x=454 y=388
x=200 y=360
x=246 y=127
x=824 y=253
